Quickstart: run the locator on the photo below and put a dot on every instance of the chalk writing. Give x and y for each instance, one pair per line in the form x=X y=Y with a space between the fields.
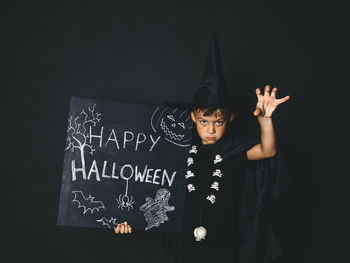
x=105 y=137
x=142 y=175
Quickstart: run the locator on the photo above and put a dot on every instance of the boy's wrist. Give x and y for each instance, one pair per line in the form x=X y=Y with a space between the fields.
x=264 y=118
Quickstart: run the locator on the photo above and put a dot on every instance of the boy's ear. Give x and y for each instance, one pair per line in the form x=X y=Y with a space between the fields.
x=232 y=117
x=193 y=117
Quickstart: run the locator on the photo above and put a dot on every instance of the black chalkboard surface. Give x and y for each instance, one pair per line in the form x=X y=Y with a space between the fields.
x=124 y=162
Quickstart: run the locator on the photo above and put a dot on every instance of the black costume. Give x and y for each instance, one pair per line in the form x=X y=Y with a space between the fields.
x=237 y=228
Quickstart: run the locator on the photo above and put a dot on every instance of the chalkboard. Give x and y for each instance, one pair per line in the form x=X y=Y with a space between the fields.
x=124 y=162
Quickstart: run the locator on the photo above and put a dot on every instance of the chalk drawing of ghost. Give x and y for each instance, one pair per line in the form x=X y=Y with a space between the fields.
x=174 y=124
x=155 y=209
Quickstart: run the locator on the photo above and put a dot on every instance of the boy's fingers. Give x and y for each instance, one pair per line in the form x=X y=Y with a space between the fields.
x=123 y=228
x=257 y=111
x=257 y=91
x=267 y=90
x=117 y=229
x=126 y=228
x=129 y=227
x=283 y=99
x=273 y=93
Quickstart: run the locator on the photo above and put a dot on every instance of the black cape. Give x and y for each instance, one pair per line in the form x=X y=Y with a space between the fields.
x=238 y=228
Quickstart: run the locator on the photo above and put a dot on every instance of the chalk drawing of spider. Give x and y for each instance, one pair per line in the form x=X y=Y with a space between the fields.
x=125 y=202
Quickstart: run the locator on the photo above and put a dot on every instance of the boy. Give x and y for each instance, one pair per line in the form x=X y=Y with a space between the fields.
x=226 y=197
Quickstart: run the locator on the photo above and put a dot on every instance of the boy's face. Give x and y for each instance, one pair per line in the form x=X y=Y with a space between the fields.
x=210 y=128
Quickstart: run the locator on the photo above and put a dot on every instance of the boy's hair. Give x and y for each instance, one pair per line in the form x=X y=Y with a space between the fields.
x=225 y=112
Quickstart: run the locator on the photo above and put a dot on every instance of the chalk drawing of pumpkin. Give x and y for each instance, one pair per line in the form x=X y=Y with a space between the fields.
x=175 y=125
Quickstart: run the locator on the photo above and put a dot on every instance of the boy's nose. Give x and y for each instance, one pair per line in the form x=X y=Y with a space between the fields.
x=211 y=129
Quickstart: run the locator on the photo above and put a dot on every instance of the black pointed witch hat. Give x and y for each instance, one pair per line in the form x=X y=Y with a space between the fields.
x=213 y=91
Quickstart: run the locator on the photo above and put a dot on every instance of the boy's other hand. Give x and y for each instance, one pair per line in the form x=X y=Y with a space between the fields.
x=267 y=103
x=123 y=228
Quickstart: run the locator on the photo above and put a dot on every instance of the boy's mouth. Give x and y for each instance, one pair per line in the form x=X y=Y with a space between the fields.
x=210 y=138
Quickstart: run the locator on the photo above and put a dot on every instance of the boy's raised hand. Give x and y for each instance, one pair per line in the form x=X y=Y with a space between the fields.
x=267 y=103
x=123 y=228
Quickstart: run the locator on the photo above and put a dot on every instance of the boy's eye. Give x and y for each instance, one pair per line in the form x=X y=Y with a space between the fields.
x=182 y=125
x=203 y=122
x=219 y=122
x=171 y=117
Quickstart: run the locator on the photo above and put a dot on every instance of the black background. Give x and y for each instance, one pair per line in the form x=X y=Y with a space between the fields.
x=149 y=52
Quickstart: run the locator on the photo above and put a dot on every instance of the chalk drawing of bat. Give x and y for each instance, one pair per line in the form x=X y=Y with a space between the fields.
x=88 y=204
x=109 y=223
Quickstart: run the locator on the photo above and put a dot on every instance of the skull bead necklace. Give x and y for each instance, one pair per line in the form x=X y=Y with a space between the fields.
x=200 y=232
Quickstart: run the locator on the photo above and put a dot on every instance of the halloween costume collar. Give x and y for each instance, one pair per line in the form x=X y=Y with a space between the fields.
x=213 y=185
